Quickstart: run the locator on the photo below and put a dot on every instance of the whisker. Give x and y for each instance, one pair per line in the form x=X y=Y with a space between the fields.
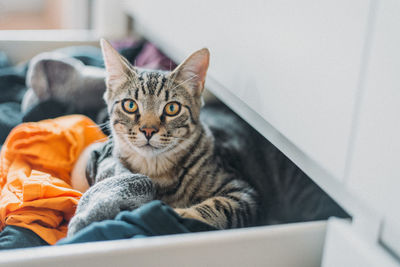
x=101 y=140
x=101 y=125
x=107 y=123
x=194 y=76
x=171 y=80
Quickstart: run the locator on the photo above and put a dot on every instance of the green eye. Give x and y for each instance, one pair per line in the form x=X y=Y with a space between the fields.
x=129 y=106
x=172 y=109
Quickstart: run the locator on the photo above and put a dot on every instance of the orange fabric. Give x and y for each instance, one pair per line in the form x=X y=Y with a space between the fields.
x=35 y=165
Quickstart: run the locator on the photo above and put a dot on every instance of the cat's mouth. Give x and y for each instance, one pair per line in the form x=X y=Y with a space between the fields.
x=149 y=150
x=148 y=146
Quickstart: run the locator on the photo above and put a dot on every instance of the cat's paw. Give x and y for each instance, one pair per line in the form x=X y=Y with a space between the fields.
x=190 y=214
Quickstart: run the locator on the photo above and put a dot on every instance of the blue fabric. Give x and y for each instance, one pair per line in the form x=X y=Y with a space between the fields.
x=153 y=219
x=18 y=237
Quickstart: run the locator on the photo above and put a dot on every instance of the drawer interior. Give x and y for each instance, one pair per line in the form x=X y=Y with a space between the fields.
x=288 y=195
x=290 y=232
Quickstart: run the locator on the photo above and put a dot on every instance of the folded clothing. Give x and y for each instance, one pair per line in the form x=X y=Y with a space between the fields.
x=17 y=237
x=152 y=219
x=35 y=165
x=12 y=90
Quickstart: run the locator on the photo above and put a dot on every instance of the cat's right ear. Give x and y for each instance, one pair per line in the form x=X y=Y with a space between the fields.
x=118 y=69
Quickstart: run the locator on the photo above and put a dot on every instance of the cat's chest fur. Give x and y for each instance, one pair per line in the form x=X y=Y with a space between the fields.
x=160 y=171
x=172 y=171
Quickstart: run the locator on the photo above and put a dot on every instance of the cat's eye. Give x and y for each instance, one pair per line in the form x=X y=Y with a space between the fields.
x=129 y=106
x=172 y=108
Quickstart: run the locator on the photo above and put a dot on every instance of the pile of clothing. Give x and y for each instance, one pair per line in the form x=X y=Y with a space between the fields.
x=41 y=140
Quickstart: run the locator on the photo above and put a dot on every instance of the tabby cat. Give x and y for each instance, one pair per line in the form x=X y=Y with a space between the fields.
x=161 y=149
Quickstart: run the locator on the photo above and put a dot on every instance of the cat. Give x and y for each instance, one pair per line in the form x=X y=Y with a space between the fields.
x=269 y=189
x=160 y=149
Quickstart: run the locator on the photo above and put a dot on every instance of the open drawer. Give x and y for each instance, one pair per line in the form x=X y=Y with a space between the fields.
x=331 y=243
x=304 y=241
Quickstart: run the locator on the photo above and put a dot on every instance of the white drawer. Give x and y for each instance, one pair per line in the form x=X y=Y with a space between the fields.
x=289 y=245
x=301 y=245
x=344 y=248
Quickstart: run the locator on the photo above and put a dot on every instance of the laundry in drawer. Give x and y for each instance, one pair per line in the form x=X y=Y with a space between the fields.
x=288 y=196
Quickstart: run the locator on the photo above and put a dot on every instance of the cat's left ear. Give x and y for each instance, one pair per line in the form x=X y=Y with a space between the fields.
x=117 y=67
x=192 y=72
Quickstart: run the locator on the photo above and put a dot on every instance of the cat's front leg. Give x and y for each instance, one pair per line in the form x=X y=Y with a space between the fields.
x=225 y=211
x=207 y=212
x=190 y=213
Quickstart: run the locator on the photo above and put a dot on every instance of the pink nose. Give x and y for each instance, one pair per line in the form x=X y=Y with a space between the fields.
x=148 y=132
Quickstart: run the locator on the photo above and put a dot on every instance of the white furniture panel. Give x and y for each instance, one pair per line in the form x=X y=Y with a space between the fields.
x=344 y=248
x=22 y=45
x=295 y=62
x=375 y=169
x=259 y=246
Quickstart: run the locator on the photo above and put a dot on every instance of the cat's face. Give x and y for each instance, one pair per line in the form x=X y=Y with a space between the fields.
x=153 y=111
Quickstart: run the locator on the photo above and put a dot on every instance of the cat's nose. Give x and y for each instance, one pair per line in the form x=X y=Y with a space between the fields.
x=148 y=131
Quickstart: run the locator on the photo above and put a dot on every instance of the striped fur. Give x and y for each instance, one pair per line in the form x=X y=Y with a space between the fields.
x=181 y=158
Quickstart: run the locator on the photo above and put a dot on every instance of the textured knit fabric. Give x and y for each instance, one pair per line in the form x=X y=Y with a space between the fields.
x=35 y=165
x=152 y=219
